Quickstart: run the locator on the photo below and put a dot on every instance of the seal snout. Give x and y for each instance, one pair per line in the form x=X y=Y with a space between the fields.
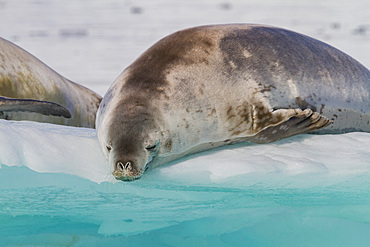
x=125 y=170
x=120 y=167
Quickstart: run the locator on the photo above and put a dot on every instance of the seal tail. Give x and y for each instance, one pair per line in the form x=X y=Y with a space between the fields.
x=30 y=105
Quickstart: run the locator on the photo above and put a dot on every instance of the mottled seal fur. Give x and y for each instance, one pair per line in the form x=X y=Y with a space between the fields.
x=214 y=85
x=30 y=90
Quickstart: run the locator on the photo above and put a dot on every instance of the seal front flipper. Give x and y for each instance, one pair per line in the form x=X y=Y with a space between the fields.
x=30 y=105
x=304 y=122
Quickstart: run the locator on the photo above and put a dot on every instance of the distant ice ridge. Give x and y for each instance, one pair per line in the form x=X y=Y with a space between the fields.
x=61 y=149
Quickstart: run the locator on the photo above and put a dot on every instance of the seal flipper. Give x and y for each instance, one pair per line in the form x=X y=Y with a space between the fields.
x=30 y=105
x=304 y=122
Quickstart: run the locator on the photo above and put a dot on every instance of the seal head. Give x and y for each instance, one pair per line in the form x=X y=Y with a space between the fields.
x=131 y=139
x=132 y=150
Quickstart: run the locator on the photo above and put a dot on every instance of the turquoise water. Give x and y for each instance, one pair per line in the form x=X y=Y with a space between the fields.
x=56 y=189
x=250 y=210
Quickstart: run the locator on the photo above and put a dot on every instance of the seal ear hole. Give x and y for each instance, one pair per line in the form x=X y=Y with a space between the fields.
x=109 y=148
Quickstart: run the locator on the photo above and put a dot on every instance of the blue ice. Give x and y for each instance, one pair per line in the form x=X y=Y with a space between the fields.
x=309 y=190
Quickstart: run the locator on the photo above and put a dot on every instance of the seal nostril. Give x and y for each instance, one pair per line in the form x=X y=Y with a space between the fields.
x=128 y=166
x=120 y=166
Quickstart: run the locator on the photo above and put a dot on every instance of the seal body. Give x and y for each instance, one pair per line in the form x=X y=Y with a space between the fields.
x=214 y=85
x=30 y=90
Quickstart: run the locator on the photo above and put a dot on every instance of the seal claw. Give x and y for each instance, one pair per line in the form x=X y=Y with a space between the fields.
x=305 y=121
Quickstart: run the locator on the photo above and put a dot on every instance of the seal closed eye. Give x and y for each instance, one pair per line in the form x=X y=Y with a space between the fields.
x=208 y=86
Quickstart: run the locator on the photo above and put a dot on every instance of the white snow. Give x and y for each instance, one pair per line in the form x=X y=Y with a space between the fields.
x=52 y=148
x=61 y=149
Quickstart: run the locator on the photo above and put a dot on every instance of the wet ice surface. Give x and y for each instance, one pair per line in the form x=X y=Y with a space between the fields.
x=307 y=188
x=56 y=188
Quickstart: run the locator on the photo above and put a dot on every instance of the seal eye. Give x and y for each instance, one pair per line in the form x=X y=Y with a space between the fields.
x=108 y=148
x=152 y=148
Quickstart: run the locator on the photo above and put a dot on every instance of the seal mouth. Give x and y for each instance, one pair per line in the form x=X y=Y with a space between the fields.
x=127 y=176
